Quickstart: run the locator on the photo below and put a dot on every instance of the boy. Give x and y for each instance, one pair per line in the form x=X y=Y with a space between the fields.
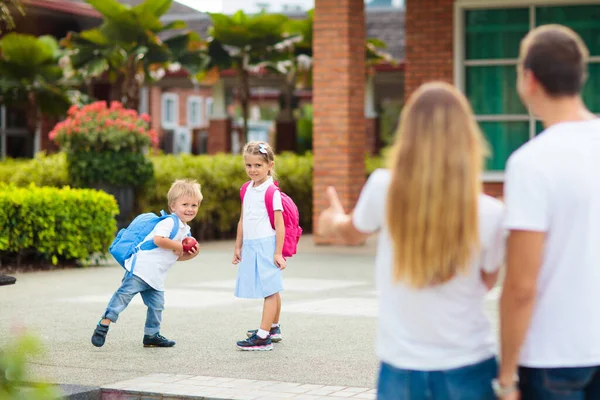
x=147 y=276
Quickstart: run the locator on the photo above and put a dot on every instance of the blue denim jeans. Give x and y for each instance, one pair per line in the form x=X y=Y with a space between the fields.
x=153 y=299
x=472 y=382
x=560 y=383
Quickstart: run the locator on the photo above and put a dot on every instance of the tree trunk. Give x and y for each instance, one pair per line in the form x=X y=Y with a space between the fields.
x=131 y=86
x=244 y=97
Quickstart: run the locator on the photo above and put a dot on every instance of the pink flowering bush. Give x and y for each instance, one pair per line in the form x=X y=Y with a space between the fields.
x=106 y=145
x=97 y=127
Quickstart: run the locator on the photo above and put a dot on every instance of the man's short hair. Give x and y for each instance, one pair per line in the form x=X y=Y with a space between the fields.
x=557 y=57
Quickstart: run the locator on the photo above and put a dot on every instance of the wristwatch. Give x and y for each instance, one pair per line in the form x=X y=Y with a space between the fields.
x=501 y=391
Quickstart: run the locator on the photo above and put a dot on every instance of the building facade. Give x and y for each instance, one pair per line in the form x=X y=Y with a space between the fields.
x=475 y=44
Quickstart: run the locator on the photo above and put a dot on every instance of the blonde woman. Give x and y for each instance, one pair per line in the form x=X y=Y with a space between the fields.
x=440 y=248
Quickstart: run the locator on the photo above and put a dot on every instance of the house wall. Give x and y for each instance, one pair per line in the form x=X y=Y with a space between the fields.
x=429 y=52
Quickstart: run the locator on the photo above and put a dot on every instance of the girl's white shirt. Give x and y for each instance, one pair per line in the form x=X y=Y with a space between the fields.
x=255 y=222
x=440 y=327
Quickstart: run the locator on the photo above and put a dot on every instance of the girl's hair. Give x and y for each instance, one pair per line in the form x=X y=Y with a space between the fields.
x=184 y=187
x=432 y=205
x=261 y=149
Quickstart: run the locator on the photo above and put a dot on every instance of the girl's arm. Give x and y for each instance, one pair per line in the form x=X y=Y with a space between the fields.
x=279 y=231
x=279 y=237
x=490 y=278
x=239 y=240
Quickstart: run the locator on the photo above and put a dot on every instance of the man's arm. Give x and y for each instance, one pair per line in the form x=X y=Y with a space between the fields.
x=524 y=258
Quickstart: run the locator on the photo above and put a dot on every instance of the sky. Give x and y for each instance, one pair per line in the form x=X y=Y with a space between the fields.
x=231 y=6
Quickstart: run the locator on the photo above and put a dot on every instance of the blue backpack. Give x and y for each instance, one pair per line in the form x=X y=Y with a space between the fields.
x=131 y=239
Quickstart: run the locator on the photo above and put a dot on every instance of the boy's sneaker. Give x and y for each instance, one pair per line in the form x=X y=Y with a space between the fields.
x=157 y=340
x=274 y=333
x=99 y=336
x=255 y=343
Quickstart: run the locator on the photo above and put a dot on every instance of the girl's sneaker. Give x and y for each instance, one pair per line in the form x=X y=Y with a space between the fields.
x=255 y=343
x=275 y=334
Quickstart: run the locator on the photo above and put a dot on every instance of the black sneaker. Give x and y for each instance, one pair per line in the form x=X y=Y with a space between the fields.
x=255 y=343
x=99 y=336
x=274 y=333
x=157 y=340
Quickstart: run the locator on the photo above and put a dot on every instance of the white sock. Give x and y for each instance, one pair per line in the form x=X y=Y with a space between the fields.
x=262 y=334
x=274 y=325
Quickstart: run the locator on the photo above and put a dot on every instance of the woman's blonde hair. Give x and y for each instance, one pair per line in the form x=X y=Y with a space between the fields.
x=432 y=207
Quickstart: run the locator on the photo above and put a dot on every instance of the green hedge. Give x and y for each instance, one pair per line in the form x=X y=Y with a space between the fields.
x=220 y=176
x=54 y=224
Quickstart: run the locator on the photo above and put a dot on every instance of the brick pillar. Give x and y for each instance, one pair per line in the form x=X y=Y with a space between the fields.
x=338 y=102
x=494 y=189
x=219 y=136
x=429 y=51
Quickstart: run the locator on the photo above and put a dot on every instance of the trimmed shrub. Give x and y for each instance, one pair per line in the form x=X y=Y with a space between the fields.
x=51 y=224
x=220 y=176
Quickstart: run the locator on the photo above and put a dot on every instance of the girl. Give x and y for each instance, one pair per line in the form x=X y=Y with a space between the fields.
x=440 y=248
x=258 y=248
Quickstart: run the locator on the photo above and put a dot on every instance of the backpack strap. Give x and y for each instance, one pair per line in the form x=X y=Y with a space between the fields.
x=269 y=203
x=243 y=190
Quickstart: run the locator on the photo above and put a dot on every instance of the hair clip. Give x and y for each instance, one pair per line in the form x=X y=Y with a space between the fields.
x=262 y=148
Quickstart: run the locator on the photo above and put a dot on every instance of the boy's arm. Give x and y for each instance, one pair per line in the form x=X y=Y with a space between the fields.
x=166 y=243
x=189 y=255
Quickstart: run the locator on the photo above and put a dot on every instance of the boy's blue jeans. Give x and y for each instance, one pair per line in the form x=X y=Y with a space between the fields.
x=153 y=299
x=472 y=382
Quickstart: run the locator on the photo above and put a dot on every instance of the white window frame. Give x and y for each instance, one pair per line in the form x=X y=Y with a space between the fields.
x=208 y=107
x=198 y=103
x=165 y=97
x=459 y=54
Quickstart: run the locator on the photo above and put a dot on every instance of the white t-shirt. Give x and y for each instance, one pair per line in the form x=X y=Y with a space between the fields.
x=152 y=265
x=255 y=222
x=553 y=185
x=440 y=327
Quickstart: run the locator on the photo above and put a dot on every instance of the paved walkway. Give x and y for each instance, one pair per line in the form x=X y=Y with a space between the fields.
x=208 y=387
x=328 y=322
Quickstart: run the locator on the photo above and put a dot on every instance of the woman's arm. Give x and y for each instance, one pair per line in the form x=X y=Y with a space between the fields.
x=335 y=222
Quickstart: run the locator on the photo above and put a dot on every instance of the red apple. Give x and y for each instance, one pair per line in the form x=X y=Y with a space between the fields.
x=188 y=243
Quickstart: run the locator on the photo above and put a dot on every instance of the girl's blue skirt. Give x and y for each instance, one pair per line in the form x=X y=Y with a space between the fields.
x=258 y=276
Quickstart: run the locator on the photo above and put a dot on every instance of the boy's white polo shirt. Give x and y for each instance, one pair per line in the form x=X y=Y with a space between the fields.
x=439 y=327
x=553 y=186
x=152 y=265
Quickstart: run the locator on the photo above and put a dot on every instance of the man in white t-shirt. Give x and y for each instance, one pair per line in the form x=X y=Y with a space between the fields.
x=550 y=323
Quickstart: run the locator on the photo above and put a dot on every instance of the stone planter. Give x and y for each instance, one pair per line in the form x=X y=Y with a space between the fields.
x=125 y=196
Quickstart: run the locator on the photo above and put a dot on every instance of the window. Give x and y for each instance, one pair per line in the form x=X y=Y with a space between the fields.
x=487 y=51
x=195 y=110
x=169 y=110
x=209 y=108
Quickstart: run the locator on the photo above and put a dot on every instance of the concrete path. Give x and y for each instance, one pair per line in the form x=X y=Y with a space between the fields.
x=328 y=322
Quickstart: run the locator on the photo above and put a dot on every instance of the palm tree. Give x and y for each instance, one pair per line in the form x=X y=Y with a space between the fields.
x=244 y=42
x=31 y=78
x=133 y=48
x=7 y=8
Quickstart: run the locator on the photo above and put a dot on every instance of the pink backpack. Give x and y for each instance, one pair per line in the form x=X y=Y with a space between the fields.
x=291 y=217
